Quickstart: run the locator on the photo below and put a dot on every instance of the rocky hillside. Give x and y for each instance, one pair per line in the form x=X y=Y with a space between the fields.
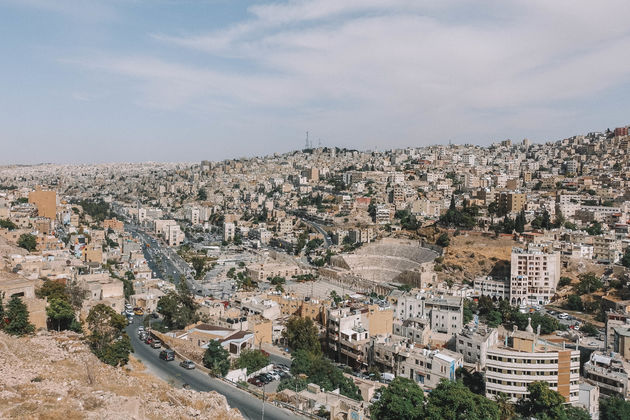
x=469 y=257
x=55 y=376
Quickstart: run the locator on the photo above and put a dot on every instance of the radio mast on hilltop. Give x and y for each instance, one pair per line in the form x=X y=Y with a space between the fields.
x=308 y=144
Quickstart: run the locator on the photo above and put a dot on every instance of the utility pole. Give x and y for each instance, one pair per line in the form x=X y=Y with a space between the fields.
x=263 y=405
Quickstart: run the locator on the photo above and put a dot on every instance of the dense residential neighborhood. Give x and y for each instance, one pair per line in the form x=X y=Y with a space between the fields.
x=328 y=282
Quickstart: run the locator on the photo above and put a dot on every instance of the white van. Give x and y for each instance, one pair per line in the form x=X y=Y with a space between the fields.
x=563 y=315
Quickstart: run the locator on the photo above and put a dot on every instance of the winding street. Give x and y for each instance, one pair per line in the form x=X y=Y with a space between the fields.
x=249 y=406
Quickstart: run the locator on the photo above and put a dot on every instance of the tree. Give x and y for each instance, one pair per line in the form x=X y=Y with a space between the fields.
x=541 y=402
x=252 y=360
x=589 y=283
x=17 y=315
x=520 y=221
x=60 y=314
x=202 y=195
x=52 y=289
x=453 y=400
x=625 y=260
x=322 y=372
x=108 y=339
x=2 y=319
x=595 y=229
x=7 y=224
x=28 y=242
x=216 y=358
x=402 y=399
x=178 y=309
x=546 y=220
x=199 y=265
x=614 y=408
x=574 y=303
x=494 y=319
x=443 y=240
x=473 y=381
x=564 y=281
x=302 y=334
x=589 y=329
x=506 y=408
x=293 y=383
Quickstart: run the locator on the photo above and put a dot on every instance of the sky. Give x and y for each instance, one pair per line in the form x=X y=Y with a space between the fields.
x=86 y=81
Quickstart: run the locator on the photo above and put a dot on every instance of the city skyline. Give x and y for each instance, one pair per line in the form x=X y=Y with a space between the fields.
x=176 y=81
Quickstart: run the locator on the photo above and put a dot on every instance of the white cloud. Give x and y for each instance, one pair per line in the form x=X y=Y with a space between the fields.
x=405 y=66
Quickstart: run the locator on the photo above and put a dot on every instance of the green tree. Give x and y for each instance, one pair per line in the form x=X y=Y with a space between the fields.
x=216 y=358
x=202 y=195
x=108 y=339
x=443 y=240
x=302 y=334
x=625 y=260
x=322 y=372
x=2 y=319
x=574 y=303
x=564 y=281
x=494 y=319
x=178 y=309
x=199 y=265
x=402 y=399
x=473 y=381
x=520 y=221
x=614 y=408
x=252 y=360
x=7 y=224
x=60 y=314
x=52 y=289
x=506 y=409
x=542 y=402
x=589 y=329
x=595 y=229
x=453 y=400
x=589 y=283
x=293 y=383
x=17 y=316
x=28 y=242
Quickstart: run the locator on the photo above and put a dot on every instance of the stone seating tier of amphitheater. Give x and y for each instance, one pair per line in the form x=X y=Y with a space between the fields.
x=385 y=261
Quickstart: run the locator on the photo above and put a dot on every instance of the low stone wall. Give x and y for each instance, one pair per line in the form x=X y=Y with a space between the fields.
x=184 y=349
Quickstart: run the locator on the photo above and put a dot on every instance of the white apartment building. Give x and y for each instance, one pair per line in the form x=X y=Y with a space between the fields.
x=494 y=288
x=511 y=368
x=174 y=236
x=193 y=215
x=229 y=230
x=534 y=275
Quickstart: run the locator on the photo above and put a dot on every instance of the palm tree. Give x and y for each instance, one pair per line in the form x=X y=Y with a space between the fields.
x=506 y=408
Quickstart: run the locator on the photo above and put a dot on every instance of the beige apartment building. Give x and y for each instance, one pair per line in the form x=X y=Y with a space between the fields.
x=525 y=359
x=45 y=201
x=534 y=275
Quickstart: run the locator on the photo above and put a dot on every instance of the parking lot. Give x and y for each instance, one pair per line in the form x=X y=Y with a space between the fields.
x=270 y=381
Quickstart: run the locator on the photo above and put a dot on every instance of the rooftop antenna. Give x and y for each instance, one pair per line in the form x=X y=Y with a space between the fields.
x=307 y=144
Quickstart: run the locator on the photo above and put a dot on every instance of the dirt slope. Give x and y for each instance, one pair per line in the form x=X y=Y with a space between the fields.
x=55 y=376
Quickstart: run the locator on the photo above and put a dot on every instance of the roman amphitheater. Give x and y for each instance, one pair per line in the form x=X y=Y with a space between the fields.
x=382 y=265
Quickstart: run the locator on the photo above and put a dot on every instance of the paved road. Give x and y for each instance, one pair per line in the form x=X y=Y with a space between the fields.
x=249 y=406
x=327 y=241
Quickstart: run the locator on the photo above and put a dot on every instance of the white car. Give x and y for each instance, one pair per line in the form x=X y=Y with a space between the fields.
x=140 y=328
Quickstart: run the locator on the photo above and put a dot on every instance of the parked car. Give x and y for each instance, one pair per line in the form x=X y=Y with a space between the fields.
x=255 y=381
x=140 y=328
x=138 y=311
x=156 y=344
x=263 y=379
x=267 y=377
x=274 y=375
x=187 y=364
x=168 y=355
x=148 y=340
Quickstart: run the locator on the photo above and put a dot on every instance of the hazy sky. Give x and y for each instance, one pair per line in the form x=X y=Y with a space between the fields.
x=185 y=80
